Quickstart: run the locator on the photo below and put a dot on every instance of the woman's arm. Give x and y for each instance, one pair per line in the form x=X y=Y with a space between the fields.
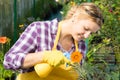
x=19 y=52
x=32 y=59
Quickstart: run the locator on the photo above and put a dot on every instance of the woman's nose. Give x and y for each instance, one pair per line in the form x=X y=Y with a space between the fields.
x=86 y=35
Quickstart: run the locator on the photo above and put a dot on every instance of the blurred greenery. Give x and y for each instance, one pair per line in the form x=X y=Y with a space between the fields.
x=4 y=74
x=103 y=46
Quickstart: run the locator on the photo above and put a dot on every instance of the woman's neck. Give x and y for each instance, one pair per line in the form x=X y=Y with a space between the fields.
x=66 y=44
x=65 y=39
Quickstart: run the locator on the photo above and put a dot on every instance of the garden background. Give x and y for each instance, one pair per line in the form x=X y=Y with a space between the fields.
x=103 y=55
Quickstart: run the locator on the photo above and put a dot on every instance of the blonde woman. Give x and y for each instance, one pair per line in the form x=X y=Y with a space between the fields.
x=36 y=43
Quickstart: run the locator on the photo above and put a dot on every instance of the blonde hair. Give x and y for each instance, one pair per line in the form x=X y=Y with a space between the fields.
x=90 y=9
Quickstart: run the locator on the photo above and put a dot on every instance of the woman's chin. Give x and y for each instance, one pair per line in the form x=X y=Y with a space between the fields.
x=77 y=40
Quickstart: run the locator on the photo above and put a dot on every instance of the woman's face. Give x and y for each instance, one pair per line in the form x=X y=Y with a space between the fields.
x=83 y=29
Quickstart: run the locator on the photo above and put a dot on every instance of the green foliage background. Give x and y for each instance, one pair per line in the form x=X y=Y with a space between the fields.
x=107 y=37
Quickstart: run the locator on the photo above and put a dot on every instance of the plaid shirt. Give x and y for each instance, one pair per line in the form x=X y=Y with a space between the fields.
x=38 y=36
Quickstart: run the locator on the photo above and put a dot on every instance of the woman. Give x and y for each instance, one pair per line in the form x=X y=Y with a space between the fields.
x=80 y=22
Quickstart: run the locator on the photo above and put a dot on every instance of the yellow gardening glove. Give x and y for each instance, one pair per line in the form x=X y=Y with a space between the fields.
x=54 y=58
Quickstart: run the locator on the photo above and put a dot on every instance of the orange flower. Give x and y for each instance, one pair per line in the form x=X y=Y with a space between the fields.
x=3 y=40
x=76 y=56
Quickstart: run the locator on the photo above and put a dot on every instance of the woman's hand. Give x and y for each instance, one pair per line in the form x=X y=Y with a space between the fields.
x=54 y=58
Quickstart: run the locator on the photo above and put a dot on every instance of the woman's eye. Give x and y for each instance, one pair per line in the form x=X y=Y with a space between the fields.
x=86 y=28
x=91 y=33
